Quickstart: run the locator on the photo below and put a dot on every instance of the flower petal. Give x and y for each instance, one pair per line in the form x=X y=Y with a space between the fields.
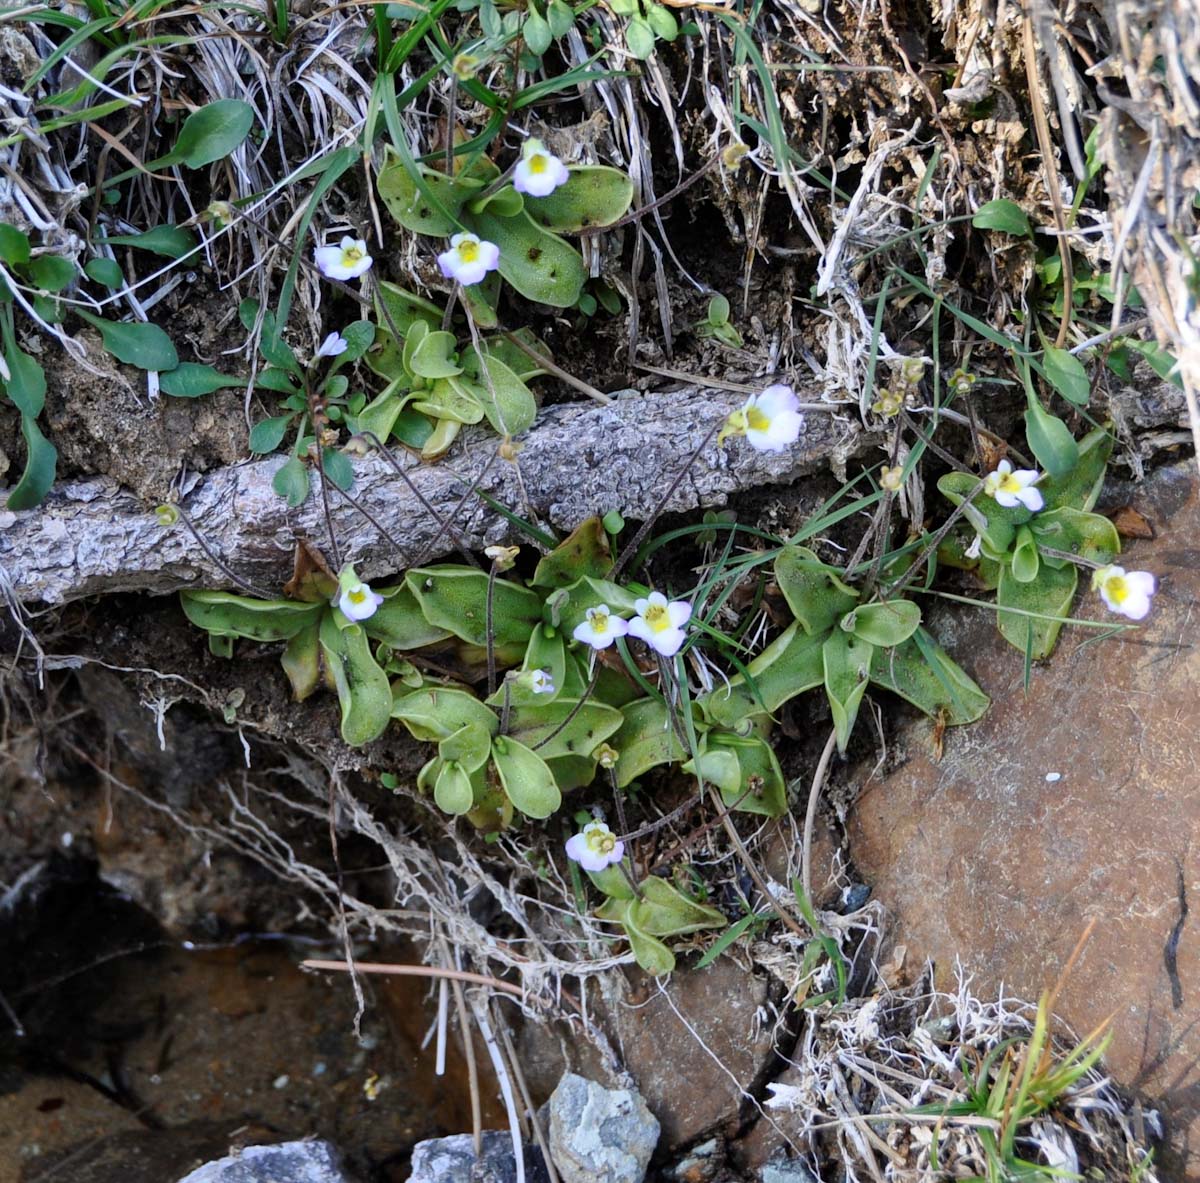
x=679 y=612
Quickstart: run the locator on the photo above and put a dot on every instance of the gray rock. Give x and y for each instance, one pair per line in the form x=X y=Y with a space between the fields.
x=287 y=1162
x=600 y=1135
x=786 y=1170
x=452 y=1160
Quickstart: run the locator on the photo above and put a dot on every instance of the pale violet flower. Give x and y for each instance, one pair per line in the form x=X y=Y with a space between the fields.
x=1011 y=488
x=595 y=848
x=333 y=345
x=469 y=259
x=1125 y=592
x=770 y=420
x=541 y=682
x=348 y=260
x=601 y=628
x=357 y=601
x=660 y=624
x=975 y=549
x=539 y=172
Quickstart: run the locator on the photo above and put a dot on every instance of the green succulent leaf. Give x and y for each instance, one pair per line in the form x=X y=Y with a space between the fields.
x=528 y=782
x=651 y=954
x=585 y=551
x=1086 y=535
x=435 y=713
x=224 y=614
x=403 y=309
x=428 y=203
x=399 y=622
x=452 y=790
x=883 y=624
x=1080 y=488
x=790 y=665
x=847 y=663
x=362 y=687
x=507 y=402
x=542 y=728
x=380 y=415
x=593 y=195
x=1025 y=560
x=814 y=592
x=451 y=398
x=746 y=772
x=664 y=911
x=470 y=746
x=993 y=521
x=645 y=739
x=1050 y=438
x=301 y=658
x=922 y=672
x=540 y=265
x=455 y=598
x=435 y=356
x=1049 y=595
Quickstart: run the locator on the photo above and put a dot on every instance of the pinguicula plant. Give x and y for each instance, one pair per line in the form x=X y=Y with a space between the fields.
x=1030 y=534
x=317 y=401
x=522 y=219
x=434 y=387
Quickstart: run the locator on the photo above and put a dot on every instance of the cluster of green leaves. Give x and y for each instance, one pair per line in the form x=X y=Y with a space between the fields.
x=521 y=748
x=319 y=390
x=649 y=912
x=434 y=387
x=206 y=135
x=1022 y=553
x=534 y=257
x=716 y=323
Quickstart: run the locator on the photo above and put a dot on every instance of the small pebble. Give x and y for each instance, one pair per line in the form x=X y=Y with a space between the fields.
x=1052 y=777
x=281 y=1082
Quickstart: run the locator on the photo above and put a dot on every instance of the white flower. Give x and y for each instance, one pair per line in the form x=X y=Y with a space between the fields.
x=541 y=682
x=469 y=259
x=1125 y=592
x=601 y=628
x=347 y=261
x=973 y=551
x=595 y=848
x=660 y=624
x=358 y=601
x=334 y=344
x=770 y=420
x=1014 y=488
x=538 y=172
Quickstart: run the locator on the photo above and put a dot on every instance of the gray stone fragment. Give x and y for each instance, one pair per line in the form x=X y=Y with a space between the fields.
x=600 y=1135
x=287 y=1162
x=786 y=1170
x=452 y=1160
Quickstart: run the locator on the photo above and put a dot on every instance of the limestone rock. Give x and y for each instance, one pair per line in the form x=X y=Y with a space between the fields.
x=600 y=1135
x=452 y=1160
x=297 y=1162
